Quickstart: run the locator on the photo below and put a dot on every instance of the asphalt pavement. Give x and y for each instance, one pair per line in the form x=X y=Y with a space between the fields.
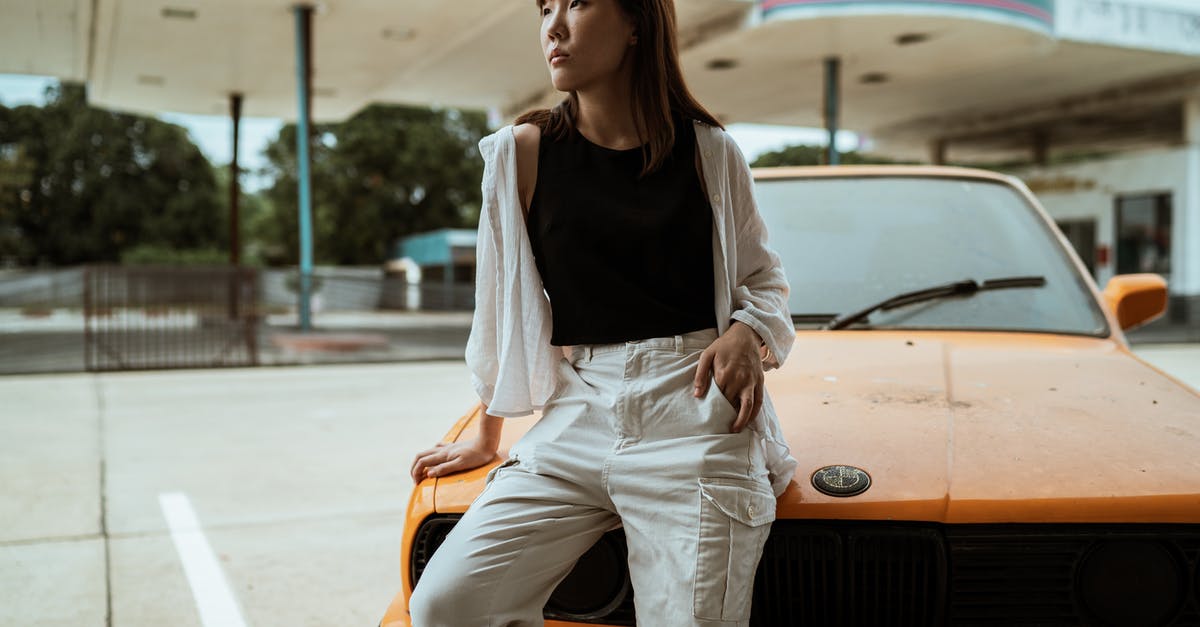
x=249 y=496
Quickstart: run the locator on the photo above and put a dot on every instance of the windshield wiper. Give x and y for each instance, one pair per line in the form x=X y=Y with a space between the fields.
x=958 y=288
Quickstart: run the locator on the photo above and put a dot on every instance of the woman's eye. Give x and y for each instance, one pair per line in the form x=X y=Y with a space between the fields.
x=546 y=10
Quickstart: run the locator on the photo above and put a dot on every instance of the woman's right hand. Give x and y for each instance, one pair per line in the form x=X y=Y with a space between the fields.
x=446 y=458
x=454 y=457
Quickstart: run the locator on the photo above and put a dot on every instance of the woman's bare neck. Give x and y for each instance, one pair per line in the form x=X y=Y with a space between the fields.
x=606 y=118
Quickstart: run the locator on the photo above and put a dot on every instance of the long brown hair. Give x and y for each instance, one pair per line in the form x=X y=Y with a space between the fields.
x=658 y=86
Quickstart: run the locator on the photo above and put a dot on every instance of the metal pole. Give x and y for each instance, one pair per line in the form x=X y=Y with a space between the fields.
x=235 y=189
x=304 y=91
x=832 y=81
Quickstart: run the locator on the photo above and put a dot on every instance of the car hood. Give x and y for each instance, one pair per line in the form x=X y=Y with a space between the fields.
x=987 y=427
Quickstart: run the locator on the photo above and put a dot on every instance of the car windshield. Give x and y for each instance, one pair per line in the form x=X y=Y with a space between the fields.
x=848 y=242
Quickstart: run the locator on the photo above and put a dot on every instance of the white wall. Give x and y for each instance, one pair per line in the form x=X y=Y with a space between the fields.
x=1161 y=25
x=1089 y=190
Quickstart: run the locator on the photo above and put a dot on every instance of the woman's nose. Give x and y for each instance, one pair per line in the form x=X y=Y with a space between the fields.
x=556 y=28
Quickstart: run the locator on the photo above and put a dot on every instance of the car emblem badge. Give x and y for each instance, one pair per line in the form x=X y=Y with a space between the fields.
x=841 y=480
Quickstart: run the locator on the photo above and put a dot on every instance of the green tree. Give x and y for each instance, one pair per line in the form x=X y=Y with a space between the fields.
x=814 y=155
x=80 y=184
x=387 y=172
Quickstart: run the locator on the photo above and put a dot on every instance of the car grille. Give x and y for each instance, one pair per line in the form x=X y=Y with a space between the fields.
x=899 y=573
x=1022 y=574
x=850 y=575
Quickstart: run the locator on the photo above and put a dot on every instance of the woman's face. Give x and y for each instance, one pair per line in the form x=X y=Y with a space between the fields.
x=596 y=36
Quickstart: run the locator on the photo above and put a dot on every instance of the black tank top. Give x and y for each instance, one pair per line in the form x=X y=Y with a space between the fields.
x=622 y=258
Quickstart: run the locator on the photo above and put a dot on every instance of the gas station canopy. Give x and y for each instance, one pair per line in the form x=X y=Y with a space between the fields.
x=982 y=74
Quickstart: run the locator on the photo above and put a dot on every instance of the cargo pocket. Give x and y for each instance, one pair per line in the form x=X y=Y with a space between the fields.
x=735 y=517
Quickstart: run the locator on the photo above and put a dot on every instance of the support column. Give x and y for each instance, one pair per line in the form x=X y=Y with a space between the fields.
x=235 y=185
x=303 y=141
x=1041 y=147
x=1185 y=241
x=937 y=152
x=235 y=192
x=832 y=85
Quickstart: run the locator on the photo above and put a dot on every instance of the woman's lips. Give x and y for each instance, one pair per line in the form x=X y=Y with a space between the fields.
x=558 y=59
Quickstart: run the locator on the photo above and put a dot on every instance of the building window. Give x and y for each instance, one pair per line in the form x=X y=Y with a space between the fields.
x=1082 y=235
x=1143 y=230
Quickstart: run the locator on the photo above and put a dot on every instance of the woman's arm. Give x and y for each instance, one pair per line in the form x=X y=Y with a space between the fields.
x=528 y=137
x=508 y=351
x=760 y=332
x=446 y=458
x=760 y=276
x=760 y=288
x=483 y=343
x=490 y=428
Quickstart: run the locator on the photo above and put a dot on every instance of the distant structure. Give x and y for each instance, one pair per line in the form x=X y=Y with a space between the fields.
x=444 y=272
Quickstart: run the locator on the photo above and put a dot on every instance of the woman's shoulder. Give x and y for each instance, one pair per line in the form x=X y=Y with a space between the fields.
x=523 y=135
x=527 y=135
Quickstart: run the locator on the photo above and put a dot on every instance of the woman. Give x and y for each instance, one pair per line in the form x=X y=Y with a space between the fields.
x=633 y=209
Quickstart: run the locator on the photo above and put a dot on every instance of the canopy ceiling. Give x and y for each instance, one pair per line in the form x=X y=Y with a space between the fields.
x=906 y=73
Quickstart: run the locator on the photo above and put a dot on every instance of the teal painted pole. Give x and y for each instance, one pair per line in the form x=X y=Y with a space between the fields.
x=304 y=91
x=832 y=83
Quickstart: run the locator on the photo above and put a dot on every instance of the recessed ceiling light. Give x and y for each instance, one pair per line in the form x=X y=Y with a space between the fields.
x=722 y=64
x=873 y=78
x=147 y=79
x=907 y=39
x=177 y=13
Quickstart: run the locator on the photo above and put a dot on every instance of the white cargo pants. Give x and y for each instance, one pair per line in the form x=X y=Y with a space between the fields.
x=622 y=442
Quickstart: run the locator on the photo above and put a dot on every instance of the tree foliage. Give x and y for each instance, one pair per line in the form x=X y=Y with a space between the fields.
x=80 y=184
x=814 y=155
x=387 y=172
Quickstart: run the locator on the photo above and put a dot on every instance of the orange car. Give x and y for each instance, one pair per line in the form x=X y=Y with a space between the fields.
x=977 y=443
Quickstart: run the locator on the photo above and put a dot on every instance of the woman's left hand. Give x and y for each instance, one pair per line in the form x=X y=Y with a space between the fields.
x=736 y=364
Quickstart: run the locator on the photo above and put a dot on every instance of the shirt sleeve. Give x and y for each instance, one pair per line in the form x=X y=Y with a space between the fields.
x=760 y=286
x=483 y=342
x=509 y=354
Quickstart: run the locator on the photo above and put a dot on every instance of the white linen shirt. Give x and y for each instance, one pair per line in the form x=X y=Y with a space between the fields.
x=509 y=353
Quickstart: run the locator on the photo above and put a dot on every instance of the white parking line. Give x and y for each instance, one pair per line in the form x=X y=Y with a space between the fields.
x=214 y=598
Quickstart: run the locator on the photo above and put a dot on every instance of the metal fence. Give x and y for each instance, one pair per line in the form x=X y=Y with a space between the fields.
x=365 y=289
x=105 y=318
x=143 y=317
x=41 y=289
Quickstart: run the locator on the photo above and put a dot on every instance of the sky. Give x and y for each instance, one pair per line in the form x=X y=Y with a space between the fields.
x=214 y=136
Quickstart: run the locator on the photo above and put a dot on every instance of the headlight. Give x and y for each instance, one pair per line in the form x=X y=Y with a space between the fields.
x=597 y=585
x=1131 y=582
x=597 y=589
x=429 y=537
